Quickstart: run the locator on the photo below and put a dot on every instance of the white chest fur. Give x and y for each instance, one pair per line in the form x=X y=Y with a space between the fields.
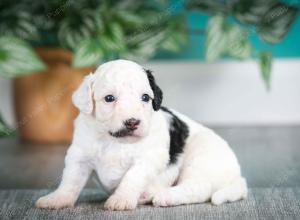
x=111 y=163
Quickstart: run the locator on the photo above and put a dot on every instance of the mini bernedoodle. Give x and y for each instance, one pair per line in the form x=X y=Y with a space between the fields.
x=142 y=152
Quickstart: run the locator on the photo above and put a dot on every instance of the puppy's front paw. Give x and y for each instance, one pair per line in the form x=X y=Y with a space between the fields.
x=55 y=200
x=152 y=190
x=119 y=202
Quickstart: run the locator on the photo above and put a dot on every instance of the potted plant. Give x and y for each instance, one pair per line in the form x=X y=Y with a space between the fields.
x=48 y=46
x=60 y=41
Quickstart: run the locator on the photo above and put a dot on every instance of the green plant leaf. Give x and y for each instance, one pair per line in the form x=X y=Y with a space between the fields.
x=20 y=24
x=223 y=39
x=4 y=128
x=88 y=53
x=176 y=35
x=74 y=29
x=129 y=18
x=251 y=11
x=145 y=48
x=116 y=32
x=174 y=41
x=265 y=62
x=17 y=58
x=238 y=45
x=276 y=22
x=216 y=40
x=113 y=40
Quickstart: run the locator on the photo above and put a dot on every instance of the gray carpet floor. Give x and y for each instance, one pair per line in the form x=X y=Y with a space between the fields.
x=269 y=157
x=262 y=203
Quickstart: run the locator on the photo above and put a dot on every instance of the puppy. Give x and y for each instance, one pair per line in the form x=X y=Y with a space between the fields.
x=142 y=152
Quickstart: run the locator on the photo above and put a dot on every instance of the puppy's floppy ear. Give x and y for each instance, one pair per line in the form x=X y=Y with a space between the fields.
x=158 y=95
x=83 y=97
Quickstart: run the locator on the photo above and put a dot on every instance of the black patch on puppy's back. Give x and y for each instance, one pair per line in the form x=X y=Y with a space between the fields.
x=179 y=132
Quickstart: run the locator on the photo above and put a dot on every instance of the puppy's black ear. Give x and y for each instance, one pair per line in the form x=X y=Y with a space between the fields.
x=158 y=95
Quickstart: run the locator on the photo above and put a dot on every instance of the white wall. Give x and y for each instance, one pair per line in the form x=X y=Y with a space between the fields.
x=228 y=92
x=6 y=101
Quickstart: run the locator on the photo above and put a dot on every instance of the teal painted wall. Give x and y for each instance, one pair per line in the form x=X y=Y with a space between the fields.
x=289 y=47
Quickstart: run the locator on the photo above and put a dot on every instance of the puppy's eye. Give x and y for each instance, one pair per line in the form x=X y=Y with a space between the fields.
x=145 y=98
x=109 y=98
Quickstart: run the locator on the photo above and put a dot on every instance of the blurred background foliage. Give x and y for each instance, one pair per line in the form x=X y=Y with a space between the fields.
x=231 y=22
x=100 y=30
x=95 y=30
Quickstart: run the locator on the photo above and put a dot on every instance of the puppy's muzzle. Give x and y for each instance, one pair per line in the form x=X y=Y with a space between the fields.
x=132 y=124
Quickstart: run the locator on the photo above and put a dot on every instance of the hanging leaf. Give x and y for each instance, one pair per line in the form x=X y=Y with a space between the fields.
x=224 y=39
x=265 y=62
x=88 y=53
x=276 y=22
x=238 y=45
x=216 y=40
x=17 y=58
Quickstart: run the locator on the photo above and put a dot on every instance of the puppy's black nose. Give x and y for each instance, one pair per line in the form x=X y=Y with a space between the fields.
x=132 y=123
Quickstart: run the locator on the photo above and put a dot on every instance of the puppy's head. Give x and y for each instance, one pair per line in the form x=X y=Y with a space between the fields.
x=122 y=97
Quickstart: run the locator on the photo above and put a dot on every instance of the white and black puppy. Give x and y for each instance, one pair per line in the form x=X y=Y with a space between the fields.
x=142 y=152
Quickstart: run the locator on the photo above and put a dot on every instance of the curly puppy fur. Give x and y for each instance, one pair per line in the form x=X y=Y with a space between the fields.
x=142 y=152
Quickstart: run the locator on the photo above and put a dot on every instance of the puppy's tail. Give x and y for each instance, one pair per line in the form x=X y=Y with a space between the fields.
x=235 y=191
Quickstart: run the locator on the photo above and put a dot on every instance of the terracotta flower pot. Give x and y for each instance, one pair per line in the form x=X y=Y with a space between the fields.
x=44 y=110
